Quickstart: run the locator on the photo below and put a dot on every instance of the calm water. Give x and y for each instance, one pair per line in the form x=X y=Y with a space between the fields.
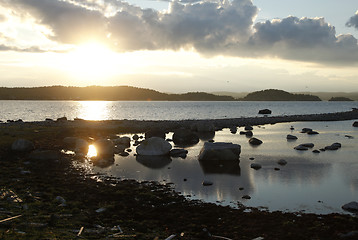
x=103 y=110
x=319 y=183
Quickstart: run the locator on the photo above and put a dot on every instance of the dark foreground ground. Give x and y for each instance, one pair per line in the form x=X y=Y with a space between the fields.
x=52 y=199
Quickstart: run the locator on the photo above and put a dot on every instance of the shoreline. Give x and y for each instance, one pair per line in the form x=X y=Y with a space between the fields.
x=136 y=126
x=58 y=199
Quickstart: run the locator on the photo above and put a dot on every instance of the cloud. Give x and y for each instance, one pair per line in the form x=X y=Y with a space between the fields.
x=34 y=49
x=210 y=27
x=2 y=18
x=307 y=39
x=69 y=23
x=353 y=21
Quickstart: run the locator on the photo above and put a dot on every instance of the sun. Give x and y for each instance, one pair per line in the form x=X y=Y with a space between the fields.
x=91 y=60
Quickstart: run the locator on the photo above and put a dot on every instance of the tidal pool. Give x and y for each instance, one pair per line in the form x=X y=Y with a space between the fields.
x=310 y=182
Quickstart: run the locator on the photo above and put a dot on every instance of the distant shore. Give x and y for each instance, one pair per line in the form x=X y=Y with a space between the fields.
x=136 y=126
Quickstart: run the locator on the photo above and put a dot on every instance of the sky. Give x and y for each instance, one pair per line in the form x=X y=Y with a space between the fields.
x=181 y=45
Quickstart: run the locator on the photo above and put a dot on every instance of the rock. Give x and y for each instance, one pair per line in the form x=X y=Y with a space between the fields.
x=351 y=207
x=282 y=162
x=155 y=133
x=119 y=149
x=246 y=197
x=154 y=146
x=44 y=155
x=61 y=200
x=316 y=151
x=305 y=130
x=301 y=148
x=81 y=146
x=124 y=154
x=255 y=166
x=135 y=137
x=62 y=119
x=308 y=145
x=355 y=124
x=104 y=147
x=247 y=133
x=219 y=151
x=334 y=146
x=291 y=137
x=349 y=136
x=233 y=129
x=203 y=127
x=22 y=145
x=184 y=136
x=255 y=141
x=312 y=132
x=265 y=111
x=207 y=183
x=248 y=127
x=277 y=169
x=178 y=153
x=125 y=141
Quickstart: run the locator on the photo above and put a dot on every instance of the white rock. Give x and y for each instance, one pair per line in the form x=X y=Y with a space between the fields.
x=154 y=146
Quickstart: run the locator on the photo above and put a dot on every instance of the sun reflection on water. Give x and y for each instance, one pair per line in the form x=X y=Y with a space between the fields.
x=92 y=151
x=93 y=110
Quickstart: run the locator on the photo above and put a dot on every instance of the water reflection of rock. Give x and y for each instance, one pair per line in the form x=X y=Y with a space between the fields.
x=102 y=162
x=154 y=162
x=220 y=167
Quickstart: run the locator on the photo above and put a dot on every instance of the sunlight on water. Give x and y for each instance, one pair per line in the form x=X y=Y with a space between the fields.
x=94 y=110
x=92 y=152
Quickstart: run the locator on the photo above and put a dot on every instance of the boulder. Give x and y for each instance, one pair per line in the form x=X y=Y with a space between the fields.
x=184 y=136
x=355 y=124
x=301 y=148
x=255 y=166
x=203 y=127
x=81 y=146
x=124 y=141
x=154 y=146
x=62 y=119
x=265 y=111
x=351 y=207
x=104 y=147
x=248 y=127
x=233 y=129
x=207 y=183
x=291 y=137
x=219 y=151
x=247 y=133
x=22 y=145
x=255 y=141
x=155 y=133
x=312 y=132
x=135 y=137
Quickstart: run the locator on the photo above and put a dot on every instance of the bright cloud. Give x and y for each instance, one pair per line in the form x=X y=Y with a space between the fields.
x=211 y=28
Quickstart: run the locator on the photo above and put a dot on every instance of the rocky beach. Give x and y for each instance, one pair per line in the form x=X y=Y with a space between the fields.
x=45 y=194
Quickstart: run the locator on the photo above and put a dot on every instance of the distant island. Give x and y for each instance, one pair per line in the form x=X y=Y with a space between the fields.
x=278 y=95
x=129 y=93
x=340 y=99
x=117 y=93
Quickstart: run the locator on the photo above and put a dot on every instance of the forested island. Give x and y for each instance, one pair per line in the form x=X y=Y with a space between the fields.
x=128 y=93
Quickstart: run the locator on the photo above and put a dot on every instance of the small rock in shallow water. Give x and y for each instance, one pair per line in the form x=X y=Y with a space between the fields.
x=246 y=197
x=282 y=162
x=255 y=166
x=291 y=137
x=316 y=151
x=277 y=169
x=207 y=183
x=255 y=141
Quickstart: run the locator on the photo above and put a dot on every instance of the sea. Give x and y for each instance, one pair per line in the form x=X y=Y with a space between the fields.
x=309 y=183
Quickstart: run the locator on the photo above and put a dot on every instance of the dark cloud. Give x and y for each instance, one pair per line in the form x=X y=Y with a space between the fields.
x=209 y=27
x=353 y=21
x=307 y=39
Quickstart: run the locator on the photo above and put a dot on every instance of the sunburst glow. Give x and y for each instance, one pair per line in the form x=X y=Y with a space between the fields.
x=93 y=110
x=92 y=60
